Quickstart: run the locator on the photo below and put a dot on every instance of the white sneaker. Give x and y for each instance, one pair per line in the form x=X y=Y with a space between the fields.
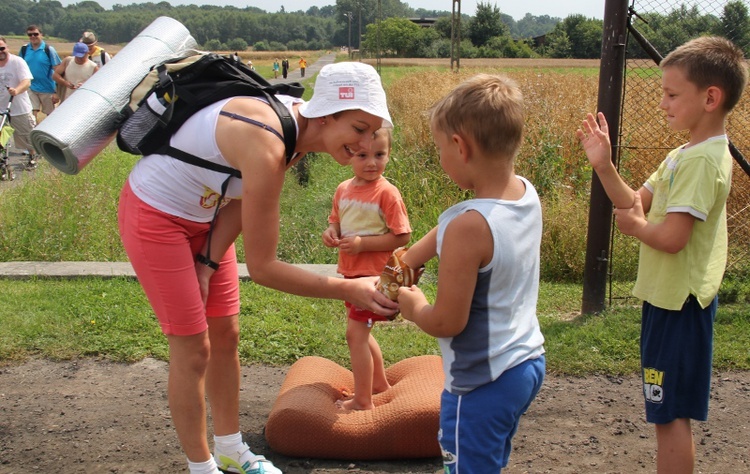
x=245 y=462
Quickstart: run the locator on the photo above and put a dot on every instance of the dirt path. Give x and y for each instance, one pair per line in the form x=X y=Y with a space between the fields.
x=90 y=416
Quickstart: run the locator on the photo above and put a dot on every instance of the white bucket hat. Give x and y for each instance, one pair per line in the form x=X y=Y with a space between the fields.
x=347 y=86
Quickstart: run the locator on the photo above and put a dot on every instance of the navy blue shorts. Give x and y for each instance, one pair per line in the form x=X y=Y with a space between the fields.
x=476 y=428
x=676 y=353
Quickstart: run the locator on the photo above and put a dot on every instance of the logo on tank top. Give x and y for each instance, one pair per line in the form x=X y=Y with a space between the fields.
x=209 y=198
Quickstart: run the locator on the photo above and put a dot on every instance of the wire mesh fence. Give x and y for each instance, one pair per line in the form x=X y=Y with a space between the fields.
x=645 y=138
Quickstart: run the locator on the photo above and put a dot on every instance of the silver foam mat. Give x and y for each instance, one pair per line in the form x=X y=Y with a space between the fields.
x=82 y=126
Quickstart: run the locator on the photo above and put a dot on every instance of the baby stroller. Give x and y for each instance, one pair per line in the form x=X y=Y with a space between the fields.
x=6 y=132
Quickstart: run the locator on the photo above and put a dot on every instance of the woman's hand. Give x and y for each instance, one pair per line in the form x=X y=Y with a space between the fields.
x=204 y=274
x=364 y=294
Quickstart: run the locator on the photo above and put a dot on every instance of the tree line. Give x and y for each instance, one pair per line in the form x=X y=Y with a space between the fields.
x=374 y=27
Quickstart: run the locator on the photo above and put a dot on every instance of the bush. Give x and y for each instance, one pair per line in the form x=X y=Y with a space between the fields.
x=237 y=44
x=214 y=45
x=298 y=45
x=261 y=46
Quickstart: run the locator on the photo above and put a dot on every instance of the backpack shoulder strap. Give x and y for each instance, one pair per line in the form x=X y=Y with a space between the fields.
x=186 y=157
x=103 y=57
x=47 y=51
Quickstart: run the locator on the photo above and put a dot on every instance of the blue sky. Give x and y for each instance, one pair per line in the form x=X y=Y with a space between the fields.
x=516 y=9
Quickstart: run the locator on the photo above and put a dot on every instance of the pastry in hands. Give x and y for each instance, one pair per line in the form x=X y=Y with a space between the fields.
x=397 y=274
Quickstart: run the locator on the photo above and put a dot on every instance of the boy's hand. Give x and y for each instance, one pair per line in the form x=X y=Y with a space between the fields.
x=594 y=138
x=411 y=300
x=397 y=274
x=631 y=221
x=351 y=244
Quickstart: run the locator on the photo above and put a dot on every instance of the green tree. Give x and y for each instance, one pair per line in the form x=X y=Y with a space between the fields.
x=213 y=45
x=735 y=25
x=443 y=26
x=90 y=6
x=486 y=24
x=13 y=17
x=558 y=44
x=237 y=44
x=531 y=26
x=584 y=35
x=397 y=36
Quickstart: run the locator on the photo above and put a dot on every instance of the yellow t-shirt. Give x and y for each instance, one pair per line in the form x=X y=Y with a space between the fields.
x=695 y=180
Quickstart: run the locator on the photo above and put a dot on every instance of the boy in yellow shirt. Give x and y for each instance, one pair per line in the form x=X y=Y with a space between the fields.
x=679 y=215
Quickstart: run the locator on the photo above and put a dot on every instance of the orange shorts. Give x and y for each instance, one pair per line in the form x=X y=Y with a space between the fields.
x=162 y=250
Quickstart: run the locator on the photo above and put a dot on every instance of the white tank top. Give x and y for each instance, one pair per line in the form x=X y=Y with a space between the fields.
x=184 y=190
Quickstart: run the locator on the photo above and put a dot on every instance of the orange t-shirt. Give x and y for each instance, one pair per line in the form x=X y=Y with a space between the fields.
x=373 y=209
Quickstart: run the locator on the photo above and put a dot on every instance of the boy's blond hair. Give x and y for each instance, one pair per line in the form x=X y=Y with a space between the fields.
x=712 y=61
x=488 y=109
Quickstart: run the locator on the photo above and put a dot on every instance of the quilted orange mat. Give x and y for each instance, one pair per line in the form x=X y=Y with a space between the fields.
x=305 y=421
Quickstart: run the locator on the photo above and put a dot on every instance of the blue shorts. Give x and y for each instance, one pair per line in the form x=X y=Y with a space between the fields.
x=676 y=353
x=476 y=428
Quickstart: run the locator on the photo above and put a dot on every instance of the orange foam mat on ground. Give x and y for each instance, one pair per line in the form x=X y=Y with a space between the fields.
x=305 y=421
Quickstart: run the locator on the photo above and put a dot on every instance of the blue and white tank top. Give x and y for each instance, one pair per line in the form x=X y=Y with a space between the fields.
x=502 y=330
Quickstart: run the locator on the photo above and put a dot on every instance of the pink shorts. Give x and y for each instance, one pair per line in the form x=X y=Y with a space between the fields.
x=162 y=250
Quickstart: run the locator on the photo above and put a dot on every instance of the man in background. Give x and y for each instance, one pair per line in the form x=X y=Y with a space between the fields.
x=42 y=59
x=15 y=80
x=96 y=53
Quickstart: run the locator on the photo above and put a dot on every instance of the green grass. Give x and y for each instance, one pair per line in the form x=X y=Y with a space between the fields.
x=111 y=319
x=54 y=217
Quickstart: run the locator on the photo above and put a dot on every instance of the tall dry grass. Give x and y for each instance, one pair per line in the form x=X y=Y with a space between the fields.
x=550 y=155
x=557 y=100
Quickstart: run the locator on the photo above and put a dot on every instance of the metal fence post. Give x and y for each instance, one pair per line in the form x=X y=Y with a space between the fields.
x=609 y=101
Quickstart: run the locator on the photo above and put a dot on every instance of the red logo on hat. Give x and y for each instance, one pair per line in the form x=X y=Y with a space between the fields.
x=346 y=93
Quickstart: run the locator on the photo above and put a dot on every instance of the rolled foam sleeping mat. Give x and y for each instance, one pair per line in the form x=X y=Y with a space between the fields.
x=82 y=126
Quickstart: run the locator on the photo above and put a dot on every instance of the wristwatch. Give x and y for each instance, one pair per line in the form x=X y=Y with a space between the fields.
x=200 y=258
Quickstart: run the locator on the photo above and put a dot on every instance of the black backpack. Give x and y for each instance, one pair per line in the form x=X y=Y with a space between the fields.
x=22 y=53
x=176 y=89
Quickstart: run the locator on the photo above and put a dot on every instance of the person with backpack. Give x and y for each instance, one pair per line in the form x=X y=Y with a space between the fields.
x=178 y=223
x=42 y=59
x=96 y=53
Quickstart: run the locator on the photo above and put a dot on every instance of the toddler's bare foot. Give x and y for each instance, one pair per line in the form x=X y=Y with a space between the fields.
x=352 y=404
x=380 y=389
